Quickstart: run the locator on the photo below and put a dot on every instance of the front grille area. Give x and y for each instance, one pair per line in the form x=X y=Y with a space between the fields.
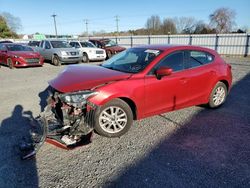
x=32 y=60
x=73 y=53
x=99 y=52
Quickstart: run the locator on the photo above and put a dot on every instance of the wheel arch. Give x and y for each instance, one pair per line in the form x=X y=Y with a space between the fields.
x=132 y=106
x=226 y=83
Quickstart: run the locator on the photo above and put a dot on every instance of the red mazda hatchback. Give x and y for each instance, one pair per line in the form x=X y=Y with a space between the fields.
x=134 y=84
x=17 y=55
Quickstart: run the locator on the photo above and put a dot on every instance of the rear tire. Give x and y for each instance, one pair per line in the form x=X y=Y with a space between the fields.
x=113 y=119
x=218 y=95
x=10 y=63
x=56 y=61
x=85 y=58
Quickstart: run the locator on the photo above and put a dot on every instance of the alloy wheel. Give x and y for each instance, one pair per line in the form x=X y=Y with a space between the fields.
x=113 y=119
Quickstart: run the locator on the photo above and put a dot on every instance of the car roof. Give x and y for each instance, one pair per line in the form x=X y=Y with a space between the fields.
x=164 y=47
x=5 y=41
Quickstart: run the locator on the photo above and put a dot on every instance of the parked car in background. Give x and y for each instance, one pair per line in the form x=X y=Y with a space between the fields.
x=58 y=52
x=89 y=51
x=138 y=83
x=34 y=43
x=110 y=46
x=17 y=55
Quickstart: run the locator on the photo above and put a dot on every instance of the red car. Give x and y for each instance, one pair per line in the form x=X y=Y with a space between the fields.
x=17 y=55
x=135 y=84
x=110 y=46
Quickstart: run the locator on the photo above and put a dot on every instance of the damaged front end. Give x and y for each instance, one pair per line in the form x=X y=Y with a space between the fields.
x=69 y=118
x=67 y=122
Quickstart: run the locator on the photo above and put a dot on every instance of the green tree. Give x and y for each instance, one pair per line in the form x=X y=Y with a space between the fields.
x=5 y=31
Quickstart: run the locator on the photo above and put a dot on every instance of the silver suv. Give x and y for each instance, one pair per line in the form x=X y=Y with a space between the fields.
x=58 y=52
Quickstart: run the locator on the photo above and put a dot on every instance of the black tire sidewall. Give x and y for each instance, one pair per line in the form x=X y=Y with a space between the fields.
x=109 y=54
x=121 y=104
x=10 y=63
x=211 y=102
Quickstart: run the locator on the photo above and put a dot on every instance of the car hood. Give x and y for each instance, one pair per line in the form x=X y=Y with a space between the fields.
x=116 y=48
x=83 y=77
x=25 y=54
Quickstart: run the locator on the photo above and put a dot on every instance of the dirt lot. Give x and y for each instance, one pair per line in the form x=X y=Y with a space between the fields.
x=193 y=147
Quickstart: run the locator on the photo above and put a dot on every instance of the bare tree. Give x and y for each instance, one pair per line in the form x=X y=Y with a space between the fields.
x=185 y=24
x=153 y=24
x=168 y=26
x=14 y=23
x=222 y=20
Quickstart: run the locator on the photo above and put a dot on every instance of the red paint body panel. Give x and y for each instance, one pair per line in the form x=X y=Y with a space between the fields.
x=21 y=57
x=150 y=95
x=84 y=77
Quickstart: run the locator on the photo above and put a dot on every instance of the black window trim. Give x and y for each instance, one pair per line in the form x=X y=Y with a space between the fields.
x=187 y=55
x=151 y=72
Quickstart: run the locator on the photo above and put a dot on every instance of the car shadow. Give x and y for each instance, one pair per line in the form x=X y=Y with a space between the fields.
x=210 y=150
x=15 y=172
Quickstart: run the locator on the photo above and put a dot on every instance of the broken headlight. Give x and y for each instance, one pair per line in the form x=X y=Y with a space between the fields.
x=77 y=98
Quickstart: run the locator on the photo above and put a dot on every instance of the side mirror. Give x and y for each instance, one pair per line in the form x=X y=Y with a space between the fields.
x=163 y=71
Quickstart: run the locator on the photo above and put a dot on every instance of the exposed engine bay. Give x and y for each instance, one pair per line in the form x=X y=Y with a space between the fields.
x=67 y=122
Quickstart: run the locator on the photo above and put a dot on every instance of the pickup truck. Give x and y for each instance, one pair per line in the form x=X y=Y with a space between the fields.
x=58 y=52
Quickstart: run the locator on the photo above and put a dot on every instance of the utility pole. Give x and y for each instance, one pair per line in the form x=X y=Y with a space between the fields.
x=54 y=16
x=87 y=30
x=117 y=26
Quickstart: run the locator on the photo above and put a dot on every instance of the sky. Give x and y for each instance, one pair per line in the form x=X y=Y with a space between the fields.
x=36 y=15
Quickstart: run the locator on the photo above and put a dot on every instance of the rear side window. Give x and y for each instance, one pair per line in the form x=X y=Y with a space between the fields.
x=174 y=61
x=198 y=58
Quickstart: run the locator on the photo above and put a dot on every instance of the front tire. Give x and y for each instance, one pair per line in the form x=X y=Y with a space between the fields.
x=218 y=95
x=85 y=58
x=55 y=60
x=109 y=55
x=113 y=119
x=10 y=63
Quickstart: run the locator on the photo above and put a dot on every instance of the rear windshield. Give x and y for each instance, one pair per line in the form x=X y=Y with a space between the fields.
x=17 y=47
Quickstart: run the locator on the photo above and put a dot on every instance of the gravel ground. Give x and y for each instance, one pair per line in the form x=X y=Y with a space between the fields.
x=193 y=147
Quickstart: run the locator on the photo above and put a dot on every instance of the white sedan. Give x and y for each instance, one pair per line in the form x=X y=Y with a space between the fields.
x=89 y=51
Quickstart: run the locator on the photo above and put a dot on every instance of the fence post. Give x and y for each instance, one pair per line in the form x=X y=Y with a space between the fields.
x=131 y=41
x=168 y=39
x=247 y=45
x=149 y=39
x=216 y=42
x=190 y=39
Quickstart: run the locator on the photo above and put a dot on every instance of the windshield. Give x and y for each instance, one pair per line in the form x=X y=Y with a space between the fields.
x=88 y=44
x=132 y=60
x=18 y=47
x=108 y=43
x=60 y=44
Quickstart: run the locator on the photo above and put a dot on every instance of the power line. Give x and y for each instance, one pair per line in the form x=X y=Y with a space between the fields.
x=54 y=16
